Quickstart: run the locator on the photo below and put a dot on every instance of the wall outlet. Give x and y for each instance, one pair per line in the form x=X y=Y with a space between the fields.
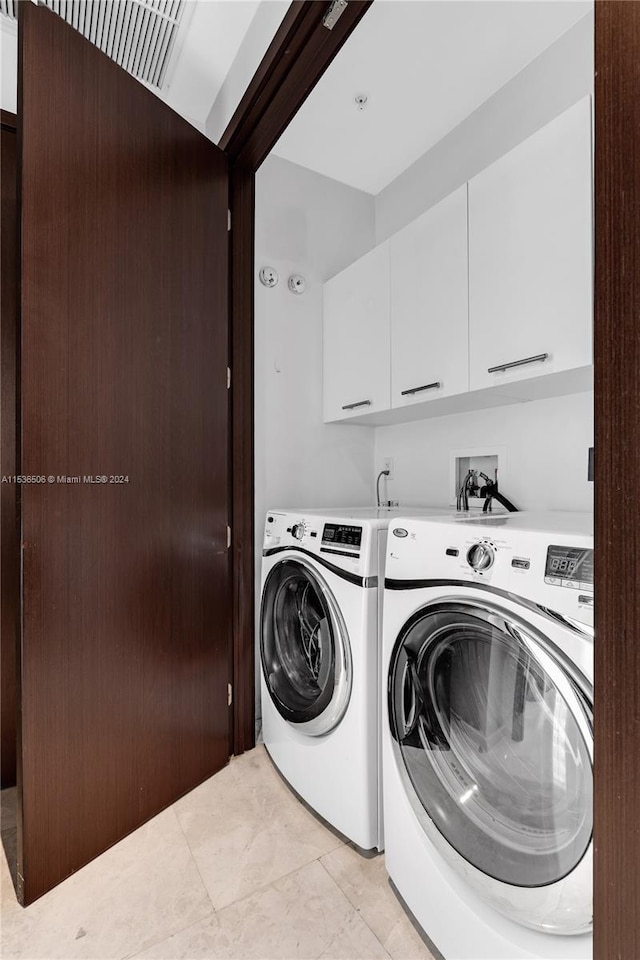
x=387 y=464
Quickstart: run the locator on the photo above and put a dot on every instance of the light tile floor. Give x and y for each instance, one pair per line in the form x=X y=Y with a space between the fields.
x=237 y=869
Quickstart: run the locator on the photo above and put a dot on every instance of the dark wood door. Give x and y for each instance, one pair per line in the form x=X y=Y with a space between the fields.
x=616 y=832
x=125 y=650
x=9 y=534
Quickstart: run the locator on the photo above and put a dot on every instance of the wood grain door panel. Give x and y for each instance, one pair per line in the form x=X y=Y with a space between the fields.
x=10 y=533
x=126 y=623
x=616 y=830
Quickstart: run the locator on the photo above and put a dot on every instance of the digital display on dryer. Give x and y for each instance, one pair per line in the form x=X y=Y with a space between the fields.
x=338 y=534
x=569 y=563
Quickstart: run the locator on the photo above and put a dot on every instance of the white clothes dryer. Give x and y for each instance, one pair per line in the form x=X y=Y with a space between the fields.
x=487 y=732
x=320 y=660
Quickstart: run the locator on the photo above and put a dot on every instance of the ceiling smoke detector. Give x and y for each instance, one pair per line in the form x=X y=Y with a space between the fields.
x=361 y=100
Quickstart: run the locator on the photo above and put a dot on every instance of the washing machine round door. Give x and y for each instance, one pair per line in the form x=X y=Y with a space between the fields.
x=304 y=646
x=493 y=738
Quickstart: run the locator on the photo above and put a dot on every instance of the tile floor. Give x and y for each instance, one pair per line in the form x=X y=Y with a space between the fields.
x=237 y=869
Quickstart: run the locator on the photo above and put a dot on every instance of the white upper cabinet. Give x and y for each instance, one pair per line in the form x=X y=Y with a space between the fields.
x=356 y=338
x=530 y=256
x=429 y=305
x=486 y=298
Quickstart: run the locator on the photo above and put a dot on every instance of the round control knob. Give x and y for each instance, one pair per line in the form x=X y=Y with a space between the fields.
x=480 y=556
x=297 y=531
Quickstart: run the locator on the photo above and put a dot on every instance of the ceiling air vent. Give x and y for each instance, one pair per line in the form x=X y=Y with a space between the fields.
x=137 y=34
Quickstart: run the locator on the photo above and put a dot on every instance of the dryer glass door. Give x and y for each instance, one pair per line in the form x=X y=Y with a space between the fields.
x=493 y=739
x=304 y=648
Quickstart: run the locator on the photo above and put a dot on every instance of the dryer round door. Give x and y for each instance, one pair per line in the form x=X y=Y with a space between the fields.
x=493 y=738
x=306 y=659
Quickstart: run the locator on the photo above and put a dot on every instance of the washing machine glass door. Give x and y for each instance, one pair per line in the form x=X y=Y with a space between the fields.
x=494 y=741
x=305 y=652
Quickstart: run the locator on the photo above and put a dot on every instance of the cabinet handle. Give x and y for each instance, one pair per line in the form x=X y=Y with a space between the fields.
x=540 y=357
x=426 y=386
x=360 y=403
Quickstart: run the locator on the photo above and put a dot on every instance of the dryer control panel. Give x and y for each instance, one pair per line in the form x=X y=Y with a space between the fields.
x=344 y=544
x=338 y=534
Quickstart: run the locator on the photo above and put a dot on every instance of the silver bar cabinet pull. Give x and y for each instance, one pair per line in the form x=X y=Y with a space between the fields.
x=539 y=358
x=426 y=386
x=360 y=403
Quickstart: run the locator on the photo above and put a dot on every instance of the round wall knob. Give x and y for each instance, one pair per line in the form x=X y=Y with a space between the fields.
x=480 y=556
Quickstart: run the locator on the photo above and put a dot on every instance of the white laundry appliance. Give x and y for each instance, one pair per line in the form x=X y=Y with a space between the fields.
x=487 y=732
x=320 y=660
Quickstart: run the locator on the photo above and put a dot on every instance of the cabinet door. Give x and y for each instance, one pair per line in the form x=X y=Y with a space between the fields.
x=356 y=338
x=530 y=256
x=429 y=305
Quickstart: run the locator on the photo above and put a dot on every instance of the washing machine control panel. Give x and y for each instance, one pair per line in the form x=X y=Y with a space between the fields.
x=529 y=556
x=570 y=567
x=481 y=556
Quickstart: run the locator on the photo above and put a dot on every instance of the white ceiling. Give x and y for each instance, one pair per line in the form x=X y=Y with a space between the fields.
x=425 y=65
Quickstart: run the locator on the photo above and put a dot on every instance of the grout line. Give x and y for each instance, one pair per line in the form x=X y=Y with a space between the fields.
x=298 y=802
x=272 y=883
x=195 y=862
x=267 y=886
x=212 y=913
x=353 y=906
x=156 y=943
x=403 y=910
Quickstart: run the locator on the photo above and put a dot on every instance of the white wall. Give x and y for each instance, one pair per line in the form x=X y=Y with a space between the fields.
x=546 y=444
x=546 y=441
x=314 y=226
x=261 y=32
x=8 y=64
x=555 y=80
x=207 y=43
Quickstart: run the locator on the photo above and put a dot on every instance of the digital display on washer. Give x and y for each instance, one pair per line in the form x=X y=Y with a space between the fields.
x=335 y=534
x=569 y=563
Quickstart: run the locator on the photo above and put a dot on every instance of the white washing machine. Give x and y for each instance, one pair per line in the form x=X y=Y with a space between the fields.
x=487 y=732
x=320 y=660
